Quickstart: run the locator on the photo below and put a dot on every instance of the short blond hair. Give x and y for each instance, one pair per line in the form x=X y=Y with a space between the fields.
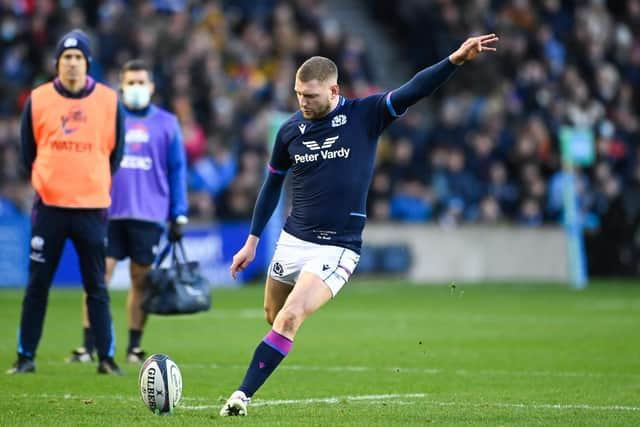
x=317 y=68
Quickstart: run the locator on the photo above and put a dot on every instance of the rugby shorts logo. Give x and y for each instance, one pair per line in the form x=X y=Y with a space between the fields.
x=325 y=267
x=278 y=269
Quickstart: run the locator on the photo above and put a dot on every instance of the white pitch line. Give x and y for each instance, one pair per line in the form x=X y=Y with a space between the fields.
x=429 y=371
x=426 y=371
x=414 y=396
x=402 y=399
x=330 y=400
x=569 y=406
x=337 y=399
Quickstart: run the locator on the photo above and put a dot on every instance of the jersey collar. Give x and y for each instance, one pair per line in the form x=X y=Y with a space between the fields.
x=139 y=113
x=88 y=88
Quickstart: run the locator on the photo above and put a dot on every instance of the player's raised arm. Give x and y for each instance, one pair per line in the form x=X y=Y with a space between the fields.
x=425 y=82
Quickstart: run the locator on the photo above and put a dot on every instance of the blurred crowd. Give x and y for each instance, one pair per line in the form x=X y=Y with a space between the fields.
x=490 y=152
x=483 y=149
x=225 y=68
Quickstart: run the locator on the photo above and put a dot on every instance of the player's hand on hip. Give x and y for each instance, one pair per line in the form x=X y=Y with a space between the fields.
x=473 y=47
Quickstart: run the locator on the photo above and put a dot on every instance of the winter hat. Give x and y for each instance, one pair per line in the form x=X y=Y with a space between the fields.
x=75 y=39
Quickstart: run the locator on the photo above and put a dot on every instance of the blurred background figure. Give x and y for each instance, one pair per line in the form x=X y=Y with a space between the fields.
x=72 y=139
x=149 y=190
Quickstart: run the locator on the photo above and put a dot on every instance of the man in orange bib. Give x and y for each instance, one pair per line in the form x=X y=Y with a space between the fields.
x=72 y=139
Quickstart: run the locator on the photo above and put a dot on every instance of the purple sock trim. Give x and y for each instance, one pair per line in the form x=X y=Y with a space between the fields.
x=278 y=342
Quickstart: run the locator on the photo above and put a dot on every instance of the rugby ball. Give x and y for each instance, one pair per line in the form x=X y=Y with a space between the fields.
x=160 y=384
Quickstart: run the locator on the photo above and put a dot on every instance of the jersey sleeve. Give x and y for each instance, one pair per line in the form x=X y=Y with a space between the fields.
x=280 y=161
x=118 y=150
x=423 y=84
x=177 y=173
x=376 y=112
x=27 y=140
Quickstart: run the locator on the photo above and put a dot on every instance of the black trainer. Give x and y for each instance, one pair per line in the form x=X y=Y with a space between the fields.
x=109 y=367
x=22 y=366
x=80 y=355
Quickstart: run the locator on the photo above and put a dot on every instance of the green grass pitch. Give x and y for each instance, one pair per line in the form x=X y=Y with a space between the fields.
x=381 y=354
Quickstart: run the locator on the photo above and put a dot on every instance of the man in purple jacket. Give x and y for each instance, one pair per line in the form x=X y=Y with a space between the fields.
x=149 y=189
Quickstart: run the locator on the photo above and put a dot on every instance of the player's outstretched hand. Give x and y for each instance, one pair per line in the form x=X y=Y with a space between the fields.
x=244 y=256
x=473 y=47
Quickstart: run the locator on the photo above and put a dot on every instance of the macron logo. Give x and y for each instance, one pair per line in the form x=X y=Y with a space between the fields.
x=313 y=145
x=302 y=127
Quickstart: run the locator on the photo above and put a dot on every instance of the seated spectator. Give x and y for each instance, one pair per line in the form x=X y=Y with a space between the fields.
x=489 y=212
x=411 y=202
x=530 y=213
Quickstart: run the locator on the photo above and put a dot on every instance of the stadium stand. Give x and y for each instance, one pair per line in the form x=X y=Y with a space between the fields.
x=483 y=150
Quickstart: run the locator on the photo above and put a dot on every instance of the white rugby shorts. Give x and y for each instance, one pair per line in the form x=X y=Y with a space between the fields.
x=333 y=264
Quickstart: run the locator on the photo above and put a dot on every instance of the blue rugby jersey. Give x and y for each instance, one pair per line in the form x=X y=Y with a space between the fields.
x=331 y=161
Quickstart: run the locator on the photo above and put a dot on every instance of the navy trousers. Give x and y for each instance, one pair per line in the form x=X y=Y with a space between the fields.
x=51 y=226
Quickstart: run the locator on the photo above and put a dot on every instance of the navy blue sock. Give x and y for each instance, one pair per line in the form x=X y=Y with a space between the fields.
x=268 y=355
x=89 y=340
x=135 y=336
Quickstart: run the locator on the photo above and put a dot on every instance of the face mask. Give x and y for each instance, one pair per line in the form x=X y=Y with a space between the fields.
x=136 y=97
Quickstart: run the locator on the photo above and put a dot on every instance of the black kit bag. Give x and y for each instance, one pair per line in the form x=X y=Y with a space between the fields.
x=179 y=288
